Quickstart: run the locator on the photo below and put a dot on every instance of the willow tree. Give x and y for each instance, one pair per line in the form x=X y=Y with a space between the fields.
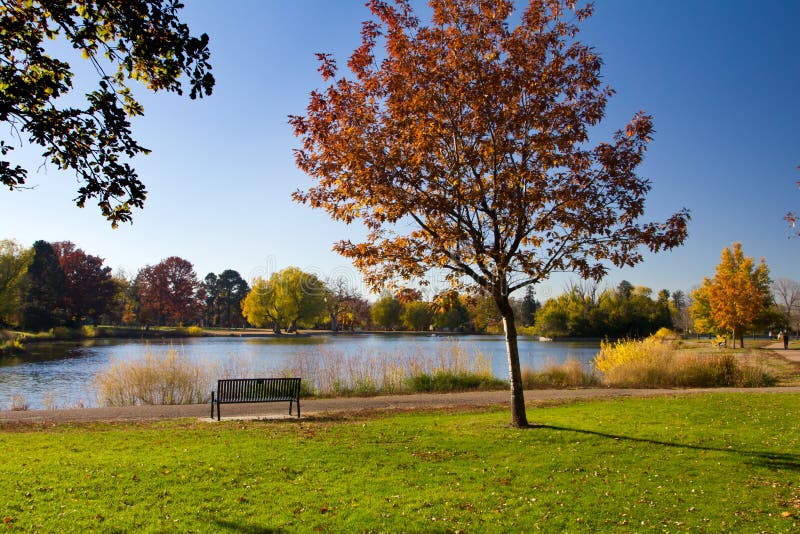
x=463 y=145
x=290 y=298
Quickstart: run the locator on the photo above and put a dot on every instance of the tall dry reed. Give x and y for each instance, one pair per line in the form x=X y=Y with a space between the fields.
x=332 y=372
x=169 y=378
x=172 y=378
x=570 y=374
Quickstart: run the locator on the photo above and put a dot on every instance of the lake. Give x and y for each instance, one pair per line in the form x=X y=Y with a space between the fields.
x=63 y=373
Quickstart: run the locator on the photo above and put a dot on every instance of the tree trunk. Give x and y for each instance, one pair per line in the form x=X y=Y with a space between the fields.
x=733 y=338
x=518 y=416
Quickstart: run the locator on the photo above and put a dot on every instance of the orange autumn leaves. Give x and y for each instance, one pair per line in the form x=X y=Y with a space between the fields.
x=735 y=298
x=463 y=145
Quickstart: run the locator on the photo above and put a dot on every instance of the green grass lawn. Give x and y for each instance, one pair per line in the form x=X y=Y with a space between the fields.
x=711 y=463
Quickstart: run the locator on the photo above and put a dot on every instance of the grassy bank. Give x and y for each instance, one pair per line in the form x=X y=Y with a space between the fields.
x=717 y=462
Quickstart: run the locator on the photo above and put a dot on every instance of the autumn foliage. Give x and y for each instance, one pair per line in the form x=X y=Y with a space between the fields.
x=735 y=298
x=464 y=145
x=89 y=288
x=167 y=292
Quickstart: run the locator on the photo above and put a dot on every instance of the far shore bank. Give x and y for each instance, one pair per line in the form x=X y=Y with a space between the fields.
x=122 y=333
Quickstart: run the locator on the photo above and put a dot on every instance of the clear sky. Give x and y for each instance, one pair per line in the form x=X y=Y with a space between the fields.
x=721 y=79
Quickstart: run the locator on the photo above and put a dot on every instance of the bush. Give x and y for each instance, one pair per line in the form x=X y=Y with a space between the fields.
x=89 y=331
x=12 y=345
x=655 y=363
x=195 y=331
x=62 y=332
x=570 y=374
x=447 y=381
x=665 y=334
x=525 y=331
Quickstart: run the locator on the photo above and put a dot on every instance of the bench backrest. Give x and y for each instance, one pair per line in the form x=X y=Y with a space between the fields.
x=257 y=389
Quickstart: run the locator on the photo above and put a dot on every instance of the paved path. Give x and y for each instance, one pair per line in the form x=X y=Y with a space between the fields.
x=793 y=355
x=320 y=407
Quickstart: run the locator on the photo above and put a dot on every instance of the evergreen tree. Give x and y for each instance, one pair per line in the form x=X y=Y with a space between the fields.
x=231 y=291
x=43 y=289
x=529 y=307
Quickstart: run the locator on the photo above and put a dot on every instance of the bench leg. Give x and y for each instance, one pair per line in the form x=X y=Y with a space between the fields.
x=218 y=414
x=212 y=405
x=298 y=407
x=290 y=407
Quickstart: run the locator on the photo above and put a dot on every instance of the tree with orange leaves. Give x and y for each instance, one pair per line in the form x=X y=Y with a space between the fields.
x=463 y=145
x=407 y=295
x=736 y=298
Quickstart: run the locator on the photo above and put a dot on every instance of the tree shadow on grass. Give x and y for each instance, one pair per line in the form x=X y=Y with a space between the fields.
x=230 y=526
x=769 y=459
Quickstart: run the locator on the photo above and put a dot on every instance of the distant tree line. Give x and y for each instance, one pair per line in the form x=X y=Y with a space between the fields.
x=59 y=284
x=624 y=311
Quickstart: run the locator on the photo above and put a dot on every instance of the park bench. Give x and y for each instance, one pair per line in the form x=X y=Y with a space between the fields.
x=241 y=390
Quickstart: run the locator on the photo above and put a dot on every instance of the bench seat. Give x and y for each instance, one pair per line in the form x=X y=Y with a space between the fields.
x=252 y=390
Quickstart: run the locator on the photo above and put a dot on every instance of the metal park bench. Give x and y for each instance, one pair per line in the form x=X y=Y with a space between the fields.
x=241 y=390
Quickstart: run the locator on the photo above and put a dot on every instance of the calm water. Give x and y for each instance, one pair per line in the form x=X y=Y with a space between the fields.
x=65 y=372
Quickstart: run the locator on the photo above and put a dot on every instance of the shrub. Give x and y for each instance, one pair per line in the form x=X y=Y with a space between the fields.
x=655 y=363
x=570 y=374
x=195 y=331
x=170 y=378
x=89 y=331
x=62 y=332
x=526 y=331
x=445 y=381
x=665 y=334
x=12 y=345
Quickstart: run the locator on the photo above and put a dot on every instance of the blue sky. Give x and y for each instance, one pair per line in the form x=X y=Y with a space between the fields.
x=720 y=78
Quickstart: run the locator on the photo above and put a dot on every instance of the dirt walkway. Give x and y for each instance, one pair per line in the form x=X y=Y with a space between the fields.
x=317 y=407
x=793 y=355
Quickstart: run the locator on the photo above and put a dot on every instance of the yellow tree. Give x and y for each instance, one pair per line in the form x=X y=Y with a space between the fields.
x=14 y=261
x=735 y=298
x=289 y=299
x=464 y=145
x=255 y=305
